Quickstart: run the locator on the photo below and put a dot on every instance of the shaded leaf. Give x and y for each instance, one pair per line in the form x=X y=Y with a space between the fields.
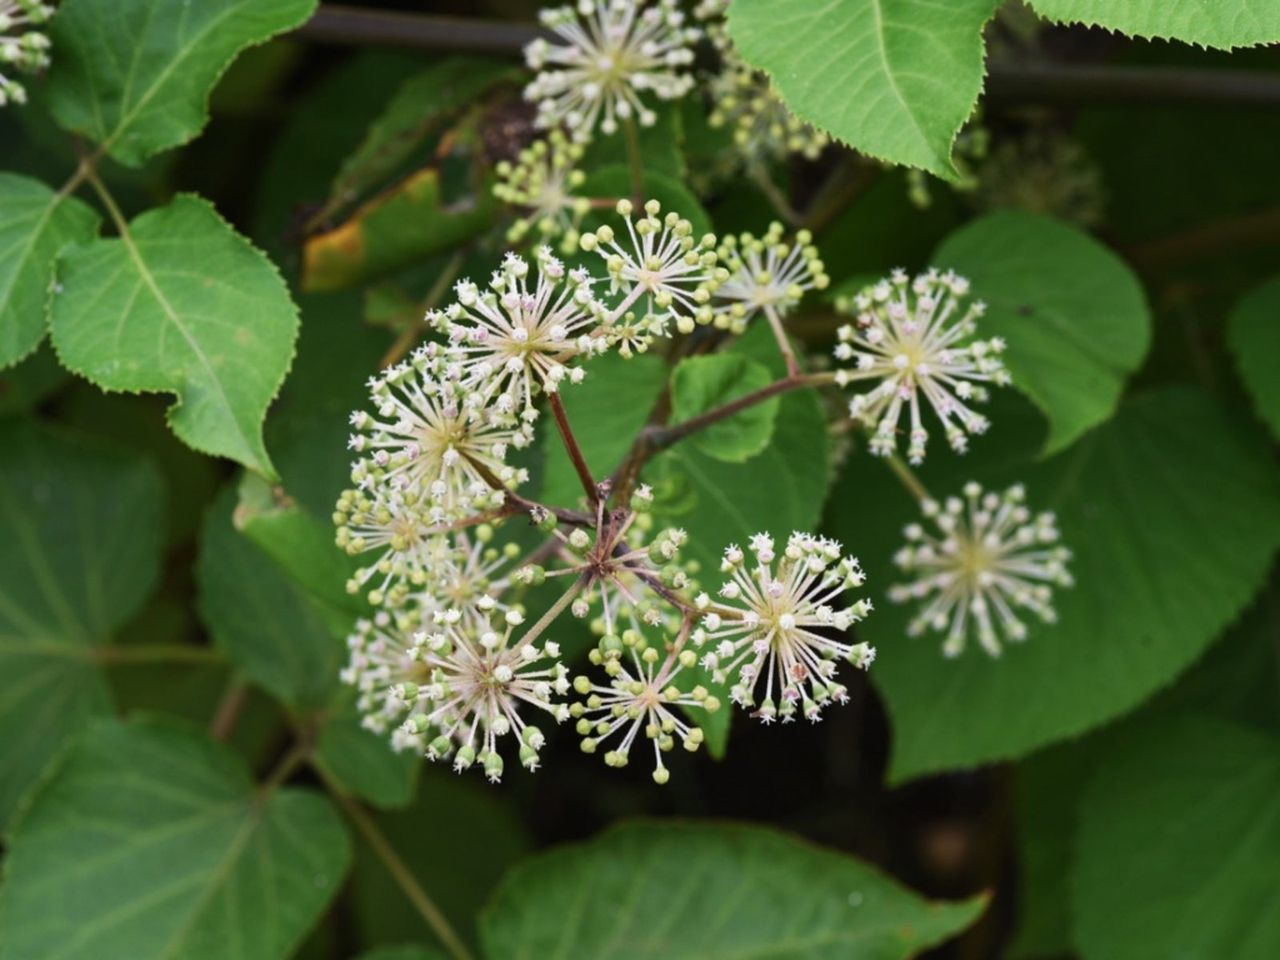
x=28 y=384
x=895 y=79
x=134 y=76
x=423 y=102
x=150 y=842
x=1197 y=796
x=363 y=761
x=35 y=223
x=1073 y=313
x=1226 y=24
x=181 y=304
x=1131 y=506
x=405 y=224
x=684 y=890
x=80 y=542
x=699 y=384
x=1253 y=333
x=266 y=624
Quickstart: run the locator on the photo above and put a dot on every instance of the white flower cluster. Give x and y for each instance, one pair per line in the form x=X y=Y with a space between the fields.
x=23 y=46
x=543 y=182
x=769 y=634
x=608 y=54
x=913 y=339
x=988 y=558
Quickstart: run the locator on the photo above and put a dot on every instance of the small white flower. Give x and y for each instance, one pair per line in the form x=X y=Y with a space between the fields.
x=640 y=697
x=764 y=273
x=773 y=631
x=543 y=181
x=517 y=338
x=610 y=52
x=432 y=436
x=764 y=129
x=479 y=680
x=913 y=339
x=988 y=557
x=663 y=262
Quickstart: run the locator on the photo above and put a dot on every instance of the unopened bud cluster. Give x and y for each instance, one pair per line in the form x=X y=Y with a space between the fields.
x=24 y=48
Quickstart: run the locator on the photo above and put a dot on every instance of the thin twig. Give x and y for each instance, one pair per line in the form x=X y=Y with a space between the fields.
x=571 y=447
x=229 y=707
x=635 y=161
x=1006 y=82
x=399 y=871
x=908 y=477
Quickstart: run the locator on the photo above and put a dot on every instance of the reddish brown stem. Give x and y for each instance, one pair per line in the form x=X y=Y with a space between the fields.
x=571 y=447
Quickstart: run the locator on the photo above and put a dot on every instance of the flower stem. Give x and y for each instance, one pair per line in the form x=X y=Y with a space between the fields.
x=663 y=437
x=571 y=447
x=635 y=162
x=784 y=345
x=229 y=708
x=908 y=477
x=402 y=875
x=555 y=609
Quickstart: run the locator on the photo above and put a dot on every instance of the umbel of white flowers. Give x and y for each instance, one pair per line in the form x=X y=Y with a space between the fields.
x=913 y=340
x=448 y=665
x=609 y=54
x=22 y=46
x=989 y=558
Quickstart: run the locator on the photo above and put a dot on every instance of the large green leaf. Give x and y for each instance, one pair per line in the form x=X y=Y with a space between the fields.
x=895 y=79
x=1073 y=314
x=80 y=539
x=261 y=618
x=1210 y=23
x=699 y=384
x=1253 y=333
x=673 y=890
x=150 y=842
x=1179 y=837
x=35 y=223
x=1132 y=506
x=134 y=75
x=183 y=304
x=459 y=873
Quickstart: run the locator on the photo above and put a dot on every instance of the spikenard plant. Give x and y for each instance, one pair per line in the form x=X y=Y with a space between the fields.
x=689 y=412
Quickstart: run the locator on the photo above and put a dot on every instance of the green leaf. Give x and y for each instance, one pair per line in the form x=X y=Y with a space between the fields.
x=895 y=79
x=303 y=548
x=150 y=842
x=421 y=105
x=702 y=383
x=363 y=761
x=1197 y=797
x=394 y=230
x=1132 y=507
x=182 y=304
x=459 y=837
x=134 y=76
x=403 y=953
x=35 y=223
x=650 y=890
x=263 y=621
x=1072 y=312
x=80 y=539
x=659 y=145
x=606 y=412
x=1253 y=333
x=1225 y=24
